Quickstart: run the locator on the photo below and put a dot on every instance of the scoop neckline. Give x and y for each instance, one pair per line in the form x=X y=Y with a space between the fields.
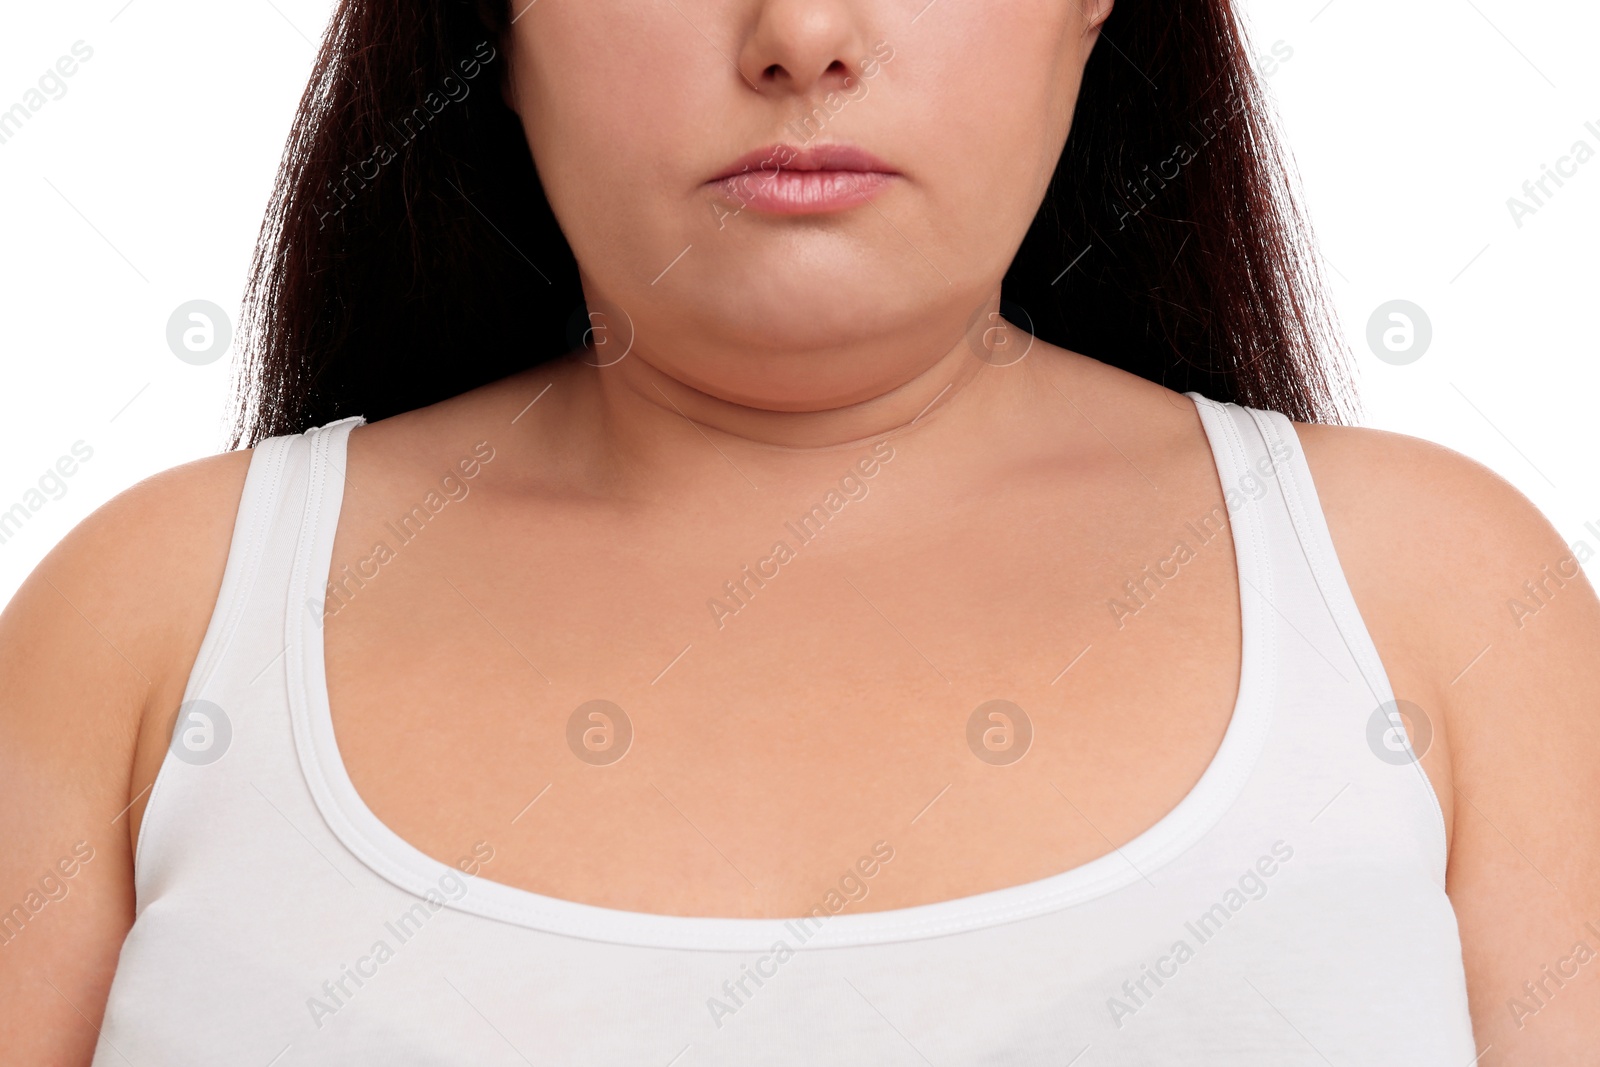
x=403 y=865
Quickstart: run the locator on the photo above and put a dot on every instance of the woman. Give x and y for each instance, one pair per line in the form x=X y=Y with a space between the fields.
x=668 y=613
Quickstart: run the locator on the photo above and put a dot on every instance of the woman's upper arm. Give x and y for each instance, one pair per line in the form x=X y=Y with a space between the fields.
x=1509 y=627
x=1525 y=718
x=95 y=649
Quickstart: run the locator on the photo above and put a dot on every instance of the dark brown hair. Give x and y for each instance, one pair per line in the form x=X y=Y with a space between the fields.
x=409 y=253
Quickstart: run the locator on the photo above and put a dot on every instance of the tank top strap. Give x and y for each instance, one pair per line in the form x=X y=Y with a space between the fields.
x=325 y=449
x=1275 y=470
x=1297 y=493
x=1338 y=726
x=230 y=738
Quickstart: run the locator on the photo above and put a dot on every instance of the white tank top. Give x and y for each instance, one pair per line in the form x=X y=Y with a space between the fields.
x=1290 y=910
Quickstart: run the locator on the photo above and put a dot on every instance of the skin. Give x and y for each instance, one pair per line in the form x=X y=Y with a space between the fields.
x=829 y=712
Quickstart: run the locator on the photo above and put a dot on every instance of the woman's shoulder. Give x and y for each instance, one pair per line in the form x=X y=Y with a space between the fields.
x=1485 y=620
x=98 y=641
x=1480 y=610
x=1455 y=560
x=133 y=560
x=141 y=554
x=1444 y=539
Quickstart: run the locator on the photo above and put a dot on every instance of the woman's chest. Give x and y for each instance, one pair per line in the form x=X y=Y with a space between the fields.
x=723 y=724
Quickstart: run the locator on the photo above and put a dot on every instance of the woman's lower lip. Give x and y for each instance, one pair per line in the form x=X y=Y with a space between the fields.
x=802 y=192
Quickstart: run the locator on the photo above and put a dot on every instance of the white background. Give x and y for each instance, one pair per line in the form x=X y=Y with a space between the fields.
x=1411 y=124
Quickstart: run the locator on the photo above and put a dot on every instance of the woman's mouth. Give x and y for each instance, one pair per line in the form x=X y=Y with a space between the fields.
x=783 y=180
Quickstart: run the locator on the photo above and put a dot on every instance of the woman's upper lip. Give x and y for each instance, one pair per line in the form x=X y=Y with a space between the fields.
x=781 y=157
